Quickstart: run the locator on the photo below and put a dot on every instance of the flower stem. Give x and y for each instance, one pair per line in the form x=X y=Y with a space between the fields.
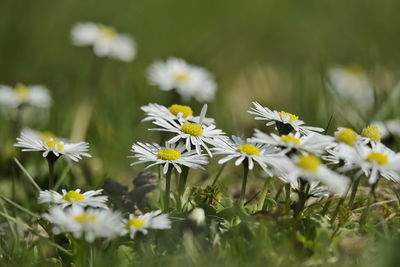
x=341 y=201
x=160 y=188
x=182 y=183
x=303 y=195
x=167 y=189
x=91 y=255
x=51 y=159
x=353 y=193
x=326 y=206
x=219 y=174
x=244 y=182
x=263 y=195
x=364 y=215
x=287 y=197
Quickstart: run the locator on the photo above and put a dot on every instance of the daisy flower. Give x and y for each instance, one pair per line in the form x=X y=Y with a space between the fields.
x=174 y=112
x=171 y=155
x=188 y=80
x=195 y=135
x=150 y=220
x=371 y=134
x=105 y=41
x=313 y=143
x=92 y=198
x=316 y=190
x=241 y=150
x=32 y=95
x=310 y=168
x=90 y=223
x=284 y=122
x=374 y=160
x=30 y=141
x=352 y=84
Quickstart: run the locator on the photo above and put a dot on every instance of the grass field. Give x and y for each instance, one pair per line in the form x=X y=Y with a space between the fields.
x=277 y=53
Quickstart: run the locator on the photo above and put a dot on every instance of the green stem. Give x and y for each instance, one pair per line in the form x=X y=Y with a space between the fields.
x=160 y=188
x=51 y=159
x=287 y=197
x=353 y=193
x=326 y=206
x=263 y=195
x=218 y=174
x=91 y=255
x=364 y=215
x=182 y=183
x=244 y=182
x=167 y=189
x=341 y=201
x=303 y=195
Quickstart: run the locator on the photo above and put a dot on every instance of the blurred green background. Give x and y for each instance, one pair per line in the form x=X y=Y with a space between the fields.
x=274 y=52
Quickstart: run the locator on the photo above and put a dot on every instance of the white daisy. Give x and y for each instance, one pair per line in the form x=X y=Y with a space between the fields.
x=170 y=155
x=352 y=84
x=92 y=198
x=315 y=190
x=241 y=150
x=141 y=223
x=188 y=80
x=195 y=135
x=29 y=141
x=313 y=143
x=374 y=160
x=371 y=134
x=284 y=122
x=33 y=95
x=174 y=112
x=105 y=41
x=310 y=168
x=91 y=223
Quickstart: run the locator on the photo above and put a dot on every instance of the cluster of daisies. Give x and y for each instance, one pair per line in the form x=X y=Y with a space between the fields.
x=314 y=163
x=83 y=214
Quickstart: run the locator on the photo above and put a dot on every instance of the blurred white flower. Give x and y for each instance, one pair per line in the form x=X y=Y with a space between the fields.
x=310 y=168
x=91 y=223
x=285 y=122
x=105 y=41
x=386 y=128
x=32 y=95
x=352 y=84
x=150 y=220
x=32 y=141
x=188 y=80
x=198 y=216
x=92 y=198
x=171 y=154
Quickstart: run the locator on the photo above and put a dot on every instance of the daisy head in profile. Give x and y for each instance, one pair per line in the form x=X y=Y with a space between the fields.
x=188 y=81
x=170 y=156
x=51 y=146
x=106 y=41
x=371 y=134
x=173 y=112
x=244 y=151
x=194 y=135
x=142 y=223
x=313 y=143
x=92 y=198
x=24 y=95
x=87 y=223
x=284 y=122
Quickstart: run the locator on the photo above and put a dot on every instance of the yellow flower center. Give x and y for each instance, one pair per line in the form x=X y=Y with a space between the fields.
x=47 y=136
x=249 y=149
x=73 y=195
x=290 y=138
x=136 y=222
x=192 y=129
x=169 y=154
x=291 y=116
x=85 y=218
x=347 y=136
x=106 y=32
x=309 y=162
x=22 y=91
x=182 y=77
x=372 y=133
x=53 y=143
x=378 y=157
x=355 y=69
x=185 y=110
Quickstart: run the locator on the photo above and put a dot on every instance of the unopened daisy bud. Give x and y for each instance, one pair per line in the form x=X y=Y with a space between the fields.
x=372 y=133
x=198 y=216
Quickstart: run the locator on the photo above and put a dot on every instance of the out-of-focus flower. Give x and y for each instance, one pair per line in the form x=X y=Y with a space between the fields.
x=106 y=41
x=31 y=95
x=198 y=216
x=92 y=198
x=188 y=80
x=150 y=220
